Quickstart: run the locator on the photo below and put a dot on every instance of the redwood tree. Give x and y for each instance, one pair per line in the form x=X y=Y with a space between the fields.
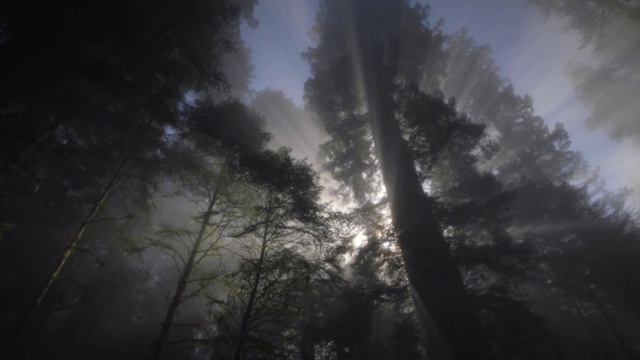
x=366 y=52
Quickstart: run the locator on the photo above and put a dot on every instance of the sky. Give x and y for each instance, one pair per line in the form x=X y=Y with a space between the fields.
x=277 y=44
x=532 y=52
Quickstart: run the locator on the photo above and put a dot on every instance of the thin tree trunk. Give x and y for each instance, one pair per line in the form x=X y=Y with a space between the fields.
x=590 y=329
x=613 y=327
x=624 y=345
x=73 y=244
x=307 y=351
x=71 y=247
x=156 y=352
x=441 y=301
x=246 y=316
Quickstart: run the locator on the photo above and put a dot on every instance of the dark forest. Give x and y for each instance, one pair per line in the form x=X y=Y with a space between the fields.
x=415 y=205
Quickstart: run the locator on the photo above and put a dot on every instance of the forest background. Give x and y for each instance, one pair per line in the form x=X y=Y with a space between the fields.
x=424 y=205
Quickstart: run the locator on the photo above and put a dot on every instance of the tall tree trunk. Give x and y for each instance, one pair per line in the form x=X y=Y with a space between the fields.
x=307 y=345
x=156 y=352
x=441 y=301
x=77 y=237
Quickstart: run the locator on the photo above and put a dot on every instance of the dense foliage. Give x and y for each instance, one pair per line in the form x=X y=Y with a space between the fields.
x=145 y=212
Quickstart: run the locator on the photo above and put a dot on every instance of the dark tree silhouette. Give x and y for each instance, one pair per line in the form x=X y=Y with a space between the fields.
x=558 y=219
x=607 y=87
x=89 y=94
x=281 y=225
x=355 y=64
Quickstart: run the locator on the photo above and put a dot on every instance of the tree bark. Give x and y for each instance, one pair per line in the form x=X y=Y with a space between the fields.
x=441 y=301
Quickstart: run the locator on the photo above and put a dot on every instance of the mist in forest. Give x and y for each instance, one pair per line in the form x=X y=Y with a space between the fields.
x=320 y=180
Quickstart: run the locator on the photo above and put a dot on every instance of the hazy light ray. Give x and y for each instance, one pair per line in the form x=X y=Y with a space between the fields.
x=298 y=134
x=277 y=43
x=485 y=106
x=530 y=52
x=533 y=54
x=356 y=56
x=555 y=99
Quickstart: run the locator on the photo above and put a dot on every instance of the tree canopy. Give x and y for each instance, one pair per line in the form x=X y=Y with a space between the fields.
x=147 y=210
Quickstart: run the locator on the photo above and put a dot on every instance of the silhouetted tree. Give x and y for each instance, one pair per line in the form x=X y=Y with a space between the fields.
x=550 y=212
x=352 y=90
x=281 y=225
x=607 y=87
x=89 y=94
x=217 y=135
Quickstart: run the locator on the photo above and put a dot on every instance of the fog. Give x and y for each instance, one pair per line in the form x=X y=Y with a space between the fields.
x=540 y=55
x=320 y=179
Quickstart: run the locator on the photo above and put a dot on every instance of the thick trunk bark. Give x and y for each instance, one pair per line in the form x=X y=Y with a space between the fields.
x=156 y=352
x=442 y=303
